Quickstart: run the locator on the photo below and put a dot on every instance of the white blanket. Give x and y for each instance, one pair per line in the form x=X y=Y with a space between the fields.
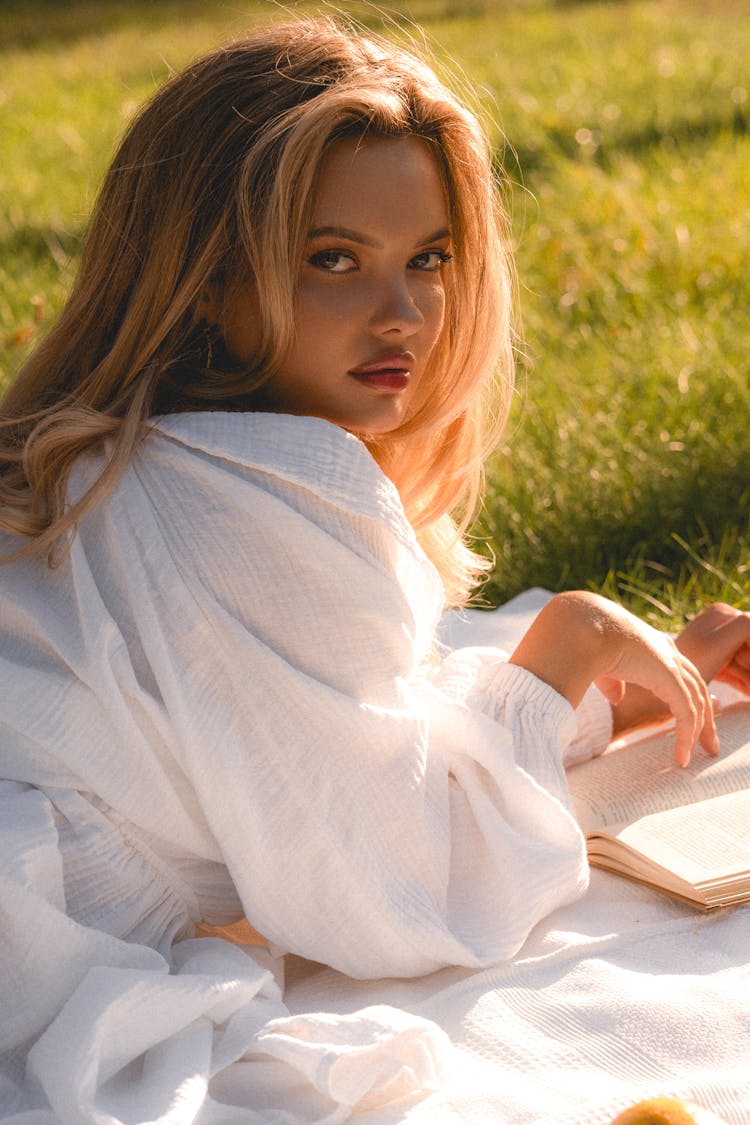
x=619 y=998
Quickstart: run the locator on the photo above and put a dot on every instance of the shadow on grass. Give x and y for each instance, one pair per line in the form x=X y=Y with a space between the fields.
x=36 y=23
x=33 y=23
x=28 y=23
x=583 y=546
x=678 y=135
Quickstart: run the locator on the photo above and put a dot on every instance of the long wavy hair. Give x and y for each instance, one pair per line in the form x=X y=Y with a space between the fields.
x=213 y=185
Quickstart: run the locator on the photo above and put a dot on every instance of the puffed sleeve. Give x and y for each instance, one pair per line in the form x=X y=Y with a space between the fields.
x=282 y=613
x=479 y=634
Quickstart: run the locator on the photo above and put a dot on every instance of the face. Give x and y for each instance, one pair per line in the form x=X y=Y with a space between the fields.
x=370 y=299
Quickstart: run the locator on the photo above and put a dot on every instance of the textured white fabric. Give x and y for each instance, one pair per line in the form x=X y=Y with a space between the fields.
x=220 y=702
x=619 y=997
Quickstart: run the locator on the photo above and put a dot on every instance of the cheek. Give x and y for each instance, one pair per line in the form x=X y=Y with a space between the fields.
x=318 y=327
x=433 y=306
x=317 y=303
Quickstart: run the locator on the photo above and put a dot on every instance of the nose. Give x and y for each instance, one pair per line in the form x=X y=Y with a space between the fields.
x=395 y=310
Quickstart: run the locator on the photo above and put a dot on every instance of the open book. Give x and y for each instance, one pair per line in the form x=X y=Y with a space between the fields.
x=683 y=831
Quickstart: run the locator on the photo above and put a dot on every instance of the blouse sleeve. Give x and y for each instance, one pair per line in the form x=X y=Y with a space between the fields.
x=502 y=629
x=593 y=728
x=370 y=818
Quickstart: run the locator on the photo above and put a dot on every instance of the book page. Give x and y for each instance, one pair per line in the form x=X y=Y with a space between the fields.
x=636 y=780
x=703 y=843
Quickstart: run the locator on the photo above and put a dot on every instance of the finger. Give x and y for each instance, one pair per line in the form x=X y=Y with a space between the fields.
x=673 y=686
x=682 y=699
x=708 y=736
x=685 y=734
x=699 y=713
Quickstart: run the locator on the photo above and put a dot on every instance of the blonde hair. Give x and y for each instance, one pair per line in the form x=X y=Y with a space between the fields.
x=212 y=185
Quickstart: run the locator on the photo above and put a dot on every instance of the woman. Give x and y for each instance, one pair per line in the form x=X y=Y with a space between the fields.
x=230 y=484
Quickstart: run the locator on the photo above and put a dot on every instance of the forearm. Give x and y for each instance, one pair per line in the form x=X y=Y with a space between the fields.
x=579 y=637
x=569 y=643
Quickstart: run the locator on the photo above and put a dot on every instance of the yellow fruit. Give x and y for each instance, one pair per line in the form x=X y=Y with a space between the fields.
x=666 y=1111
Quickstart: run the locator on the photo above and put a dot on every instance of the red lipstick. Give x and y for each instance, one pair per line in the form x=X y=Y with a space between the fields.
x=386 y=373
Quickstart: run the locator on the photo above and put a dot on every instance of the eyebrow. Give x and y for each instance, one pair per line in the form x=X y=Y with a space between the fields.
x=365 y=240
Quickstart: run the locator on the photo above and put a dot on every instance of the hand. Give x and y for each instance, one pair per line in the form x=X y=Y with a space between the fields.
x=717 y=641
x=579 y=637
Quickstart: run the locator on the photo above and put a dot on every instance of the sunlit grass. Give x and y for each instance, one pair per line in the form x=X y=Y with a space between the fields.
x=626 y=462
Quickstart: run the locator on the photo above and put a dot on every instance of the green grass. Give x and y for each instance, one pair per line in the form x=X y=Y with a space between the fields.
x=624 y=127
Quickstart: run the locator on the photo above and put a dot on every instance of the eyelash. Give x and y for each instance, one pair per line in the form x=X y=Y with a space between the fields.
x=442 y=256
x=320 y=257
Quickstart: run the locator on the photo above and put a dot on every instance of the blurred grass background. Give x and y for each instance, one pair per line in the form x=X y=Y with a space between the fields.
x=623 y=126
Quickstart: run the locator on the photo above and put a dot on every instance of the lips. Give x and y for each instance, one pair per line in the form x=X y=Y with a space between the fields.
x=388 y=372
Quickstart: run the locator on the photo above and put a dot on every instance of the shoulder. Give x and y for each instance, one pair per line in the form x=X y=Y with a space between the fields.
x=301 y=459
x=235 y=497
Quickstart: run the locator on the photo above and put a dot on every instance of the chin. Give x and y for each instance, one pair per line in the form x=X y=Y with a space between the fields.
x=363 y=427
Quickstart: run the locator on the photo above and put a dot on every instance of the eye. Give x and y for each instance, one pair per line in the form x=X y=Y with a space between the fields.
x=333 y=261
x=430 y=261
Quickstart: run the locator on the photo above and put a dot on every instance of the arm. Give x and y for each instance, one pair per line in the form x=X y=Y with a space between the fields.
x=579 y=637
